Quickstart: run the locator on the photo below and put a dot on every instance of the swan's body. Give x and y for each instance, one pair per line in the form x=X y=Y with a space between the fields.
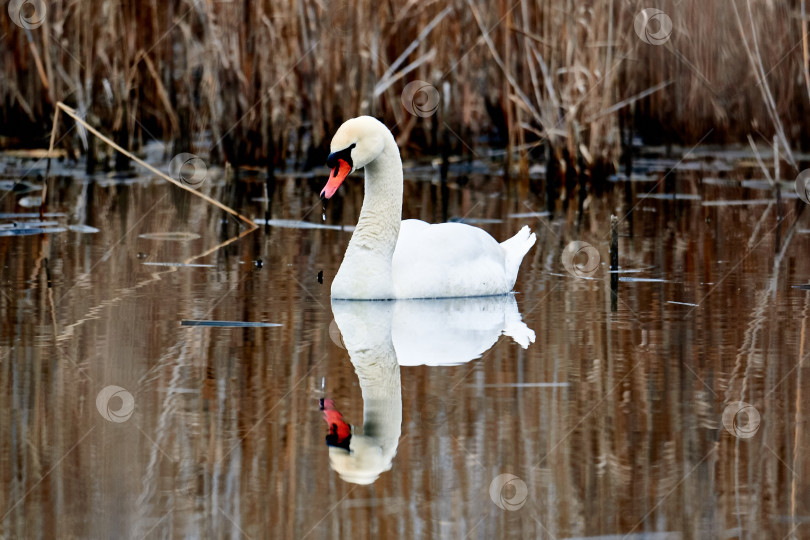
x=454 y=259
x=388 y=258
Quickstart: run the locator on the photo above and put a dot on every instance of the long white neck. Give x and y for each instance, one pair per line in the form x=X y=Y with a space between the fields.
x=366 y=268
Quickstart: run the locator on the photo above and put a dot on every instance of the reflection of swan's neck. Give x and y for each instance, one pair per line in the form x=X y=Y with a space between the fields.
x=366 y=331
x=378 y=373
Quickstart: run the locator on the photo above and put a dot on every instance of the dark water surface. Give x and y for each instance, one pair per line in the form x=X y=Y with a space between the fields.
x=609 y=425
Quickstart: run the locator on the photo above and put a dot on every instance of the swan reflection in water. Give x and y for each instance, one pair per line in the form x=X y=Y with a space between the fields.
x=382 y=336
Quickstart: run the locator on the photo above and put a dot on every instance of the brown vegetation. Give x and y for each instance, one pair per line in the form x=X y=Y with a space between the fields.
x=270 y=80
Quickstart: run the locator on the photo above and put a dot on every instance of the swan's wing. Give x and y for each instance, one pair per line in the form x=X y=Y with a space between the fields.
x=453 y=244
x=447 y=259
x=410 y=227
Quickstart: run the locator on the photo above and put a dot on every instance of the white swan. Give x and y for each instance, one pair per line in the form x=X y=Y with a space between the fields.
x=382 y=336
x=388 y=258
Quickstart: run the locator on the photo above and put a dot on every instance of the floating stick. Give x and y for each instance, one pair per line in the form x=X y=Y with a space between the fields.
x=72 y=113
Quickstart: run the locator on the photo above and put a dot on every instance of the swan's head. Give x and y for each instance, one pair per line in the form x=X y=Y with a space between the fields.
x=356 y=143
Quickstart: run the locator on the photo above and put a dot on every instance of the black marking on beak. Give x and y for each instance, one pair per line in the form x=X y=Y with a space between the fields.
x=345 y=155
x=332 y=440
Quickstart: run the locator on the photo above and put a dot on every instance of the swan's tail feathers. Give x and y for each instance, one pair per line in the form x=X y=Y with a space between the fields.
x=516 y=248
x=519 y=332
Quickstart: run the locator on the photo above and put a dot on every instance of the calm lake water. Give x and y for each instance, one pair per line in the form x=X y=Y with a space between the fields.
x=120 y=420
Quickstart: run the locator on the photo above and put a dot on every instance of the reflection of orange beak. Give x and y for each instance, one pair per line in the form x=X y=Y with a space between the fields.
x=340 y=432
x=337 y=177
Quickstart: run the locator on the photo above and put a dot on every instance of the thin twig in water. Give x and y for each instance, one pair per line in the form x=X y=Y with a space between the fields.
x=759 y=160
x=72 y=113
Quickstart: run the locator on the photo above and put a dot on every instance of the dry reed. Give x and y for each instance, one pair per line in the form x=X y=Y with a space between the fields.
x=265 y=82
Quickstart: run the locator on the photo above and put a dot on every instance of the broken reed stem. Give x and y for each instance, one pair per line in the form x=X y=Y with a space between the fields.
x=614 y=243
x=614 y=262
x=755 y=58
x=759 y=160
x=778 y=194
x=72 y=113
x=37 y=61
x=220 y=245
x=805 y=55
x=48 y=167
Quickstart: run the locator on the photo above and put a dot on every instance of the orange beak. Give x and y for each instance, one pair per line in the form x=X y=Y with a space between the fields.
x=337 y=177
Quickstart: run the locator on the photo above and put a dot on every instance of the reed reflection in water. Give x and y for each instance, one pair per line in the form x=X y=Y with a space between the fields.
x=612 y=421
